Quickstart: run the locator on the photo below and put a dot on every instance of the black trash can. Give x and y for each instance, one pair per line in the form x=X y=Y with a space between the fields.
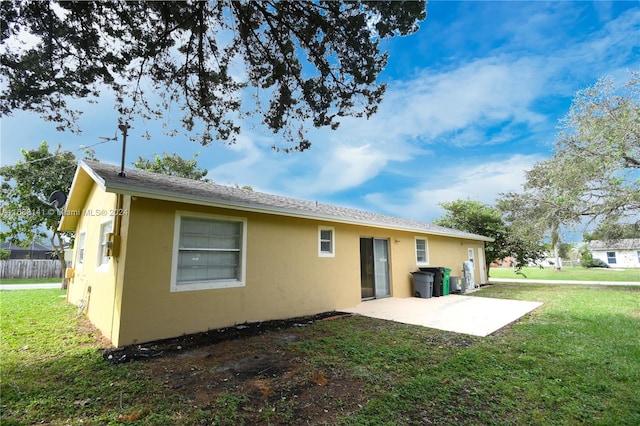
x=438 y=278
x=422 y=284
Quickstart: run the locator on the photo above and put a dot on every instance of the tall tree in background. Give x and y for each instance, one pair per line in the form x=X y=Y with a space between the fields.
x=478 y=218
x=26 y=214
x=303 y=61
x=531 y=221
x=594 y=173
x=172 y=165
x=596 y=164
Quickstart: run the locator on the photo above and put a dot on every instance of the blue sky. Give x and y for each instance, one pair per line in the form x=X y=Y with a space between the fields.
x=473 y=100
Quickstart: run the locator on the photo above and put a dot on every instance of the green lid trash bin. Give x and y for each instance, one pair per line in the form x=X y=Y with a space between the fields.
x=445 y=282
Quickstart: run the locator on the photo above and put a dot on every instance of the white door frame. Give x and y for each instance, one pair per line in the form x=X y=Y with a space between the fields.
x=481 y=265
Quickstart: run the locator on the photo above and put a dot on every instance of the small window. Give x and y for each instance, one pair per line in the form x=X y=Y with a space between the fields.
x=422 y=251
x=470 y=254
x=611 y=257
x=638 y=253
x=209 y=252
x=80 y=243
x=326 y=241
x=105 y=229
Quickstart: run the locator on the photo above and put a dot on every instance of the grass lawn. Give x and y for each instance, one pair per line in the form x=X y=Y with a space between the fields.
x=30 y=280
x=571 y=273
x=575 y=360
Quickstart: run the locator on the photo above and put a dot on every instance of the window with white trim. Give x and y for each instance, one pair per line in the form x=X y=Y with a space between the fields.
x=209 y=252
x=470 y=254
x=326 y=241
x=105 y=229
x=80 y=243
x=422 y=251
x=611 y=257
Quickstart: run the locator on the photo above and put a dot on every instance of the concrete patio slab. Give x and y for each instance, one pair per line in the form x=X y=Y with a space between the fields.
x=477 y=316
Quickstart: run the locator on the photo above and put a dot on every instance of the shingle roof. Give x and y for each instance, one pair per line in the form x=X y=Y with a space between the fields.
x=624 y=244
x=160 y=186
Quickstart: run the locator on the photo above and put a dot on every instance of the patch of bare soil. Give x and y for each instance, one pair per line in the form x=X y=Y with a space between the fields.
x=264 y=376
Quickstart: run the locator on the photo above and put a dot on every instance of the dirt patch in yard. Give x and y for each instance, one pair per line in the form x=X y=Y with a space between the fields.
x=235 y=379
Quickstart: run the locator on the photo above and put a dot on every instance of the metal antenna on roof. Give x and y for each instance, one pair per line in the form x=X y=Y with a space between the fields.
x=123 y=128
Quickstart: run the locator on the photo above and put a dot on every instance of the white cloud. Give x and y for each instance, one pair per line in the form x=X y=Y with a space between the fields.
x=478 y=94
x=347 y=166
x=251 y=162
x=481 y=181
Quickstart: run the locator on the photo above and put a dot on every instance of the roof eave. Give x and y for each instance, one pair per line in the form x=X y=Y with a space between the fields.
x=118 y=188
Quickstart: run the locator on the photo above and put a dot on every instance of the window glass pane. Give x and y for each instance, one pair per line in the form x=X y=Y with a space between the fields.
x=201 y=233
x=206 y=266
x=326 y=240
x=81 y=242
x=421 y=251
x=104 y=231
x=209 y=250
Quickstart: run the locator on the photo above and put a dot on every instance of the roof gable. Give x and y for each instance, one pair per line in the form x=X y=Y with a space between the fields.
x=172 y=188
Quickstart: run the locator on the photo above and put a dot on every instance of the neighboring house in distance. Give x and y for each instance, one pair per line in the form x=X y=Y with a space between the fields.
x=158 y=256
x=34 y=251
x=623 y=253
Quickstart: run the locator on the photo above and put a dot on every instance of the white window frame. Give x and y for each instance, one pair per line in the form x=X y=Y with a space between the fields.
x=332 y=241
x=103 y=260
x=609 y=258
x=81 y=242
x=211 y=284
x=470 y=255
x=426 y=250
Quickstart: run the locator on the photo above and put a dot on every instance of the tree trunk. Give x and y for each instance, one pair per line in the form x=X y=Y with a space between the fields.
x=555 y=242
x=556 y=254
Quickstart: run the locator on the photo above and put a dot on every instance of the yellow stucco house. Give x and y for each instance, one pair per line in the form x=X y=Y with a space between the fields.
x=158 y=256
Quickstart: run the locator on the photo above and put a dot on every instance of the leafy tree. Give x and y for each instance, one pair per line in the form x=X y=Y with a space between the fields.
x=475 y=217
x=607 y=231
x=481 y=219
x=596 y=165
x=524 y=237
x=26 y=213
x=303 y=61
x=595 y=170
x=541 y=210
x=173 y=165
x=566 y=250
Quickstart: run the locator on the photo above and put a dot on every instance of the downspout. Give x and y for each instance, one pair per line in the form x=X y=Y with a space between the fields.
x=117 y=232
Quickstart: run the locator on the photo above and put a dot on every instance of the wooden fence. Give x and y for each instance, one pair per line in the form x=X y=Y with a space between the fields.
x=30 y=268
